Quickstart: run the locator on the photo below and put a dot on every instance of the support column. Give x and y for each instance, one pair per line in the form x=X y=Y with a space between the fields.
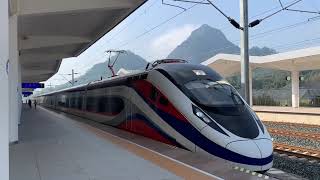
x=19 y=91
x=244 y=51
x=13 y=80
x=295 y=88
x=250 y=87
x=4 y=93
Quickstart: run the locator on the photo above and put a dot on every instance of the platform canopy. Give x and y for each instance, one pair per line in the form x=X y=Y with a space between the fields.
x=298 y=60
x=293 y=61
x=50 y=30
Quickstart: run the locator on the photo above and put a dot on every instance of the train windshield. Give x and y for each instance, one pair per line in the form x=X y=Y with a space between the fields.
x=214 y=94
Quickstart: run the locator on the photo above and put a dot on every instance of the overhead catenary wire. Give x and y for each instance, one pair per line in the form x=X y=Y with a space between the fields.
x=259 y=35
x=153 y=28
x=156 y=26
x=297 y=10
x=135 y=19
x=265 y=33
x=121 y=30
x=297 y=43
x=283 y=8
x=65 y=78
x=258 y=21
x=304 y=11
x=313 y=4
x=172 y=5
x=233 y=22
x=265 y=12
x=148 y=31
x=286 y=27
x=195 y=3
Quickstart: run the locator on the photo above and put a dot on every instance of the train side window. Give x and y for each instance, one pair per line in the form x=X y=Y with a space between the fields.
x=163 y=100
x=79 y=105
x=153 y=94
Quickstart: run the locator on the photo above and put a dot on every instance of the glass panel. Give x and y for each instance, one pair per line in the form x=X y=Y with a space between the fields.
x=212 y=93
x=269 y=87
x=310 y=88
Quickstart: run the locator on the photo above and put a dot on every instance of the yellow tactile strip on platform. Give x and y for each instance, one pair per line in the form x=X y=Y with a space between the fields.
x=251 y=172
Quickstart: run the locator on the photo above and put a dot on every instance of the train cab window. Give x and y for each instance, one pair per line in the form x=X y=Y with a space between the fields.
x=163 y=100
x=153 y=94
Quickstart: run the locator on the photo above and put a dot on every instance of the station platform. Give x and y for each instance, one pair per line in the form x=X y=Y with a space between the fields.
x=60 y=146
x=304 y=115
x=283 y=109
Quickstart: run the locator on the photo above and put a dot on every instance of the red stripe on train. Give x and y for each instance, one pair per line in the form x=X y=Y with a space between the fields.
x=140 y=127
x=145 y=88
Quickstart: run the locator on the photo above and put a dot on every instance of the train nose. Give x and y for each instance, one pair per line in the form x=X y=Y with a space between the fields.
x=254 y=154
x=265 y=147
x=245 y=148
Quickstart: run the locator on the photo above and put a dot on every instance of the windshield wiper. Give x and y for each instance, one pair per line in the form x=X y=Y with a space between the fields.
x=232 y=94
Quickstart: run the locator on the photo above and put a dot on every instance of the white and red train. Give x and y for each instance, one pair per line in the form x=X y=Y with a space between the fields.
x=185 y=105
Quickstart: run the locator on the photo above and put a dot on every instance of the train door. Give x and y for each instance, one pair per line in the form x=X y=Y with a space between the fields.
x=55 y=101
x=79 y=103
x=119 y=98
x=130 y=115
x=83 y=96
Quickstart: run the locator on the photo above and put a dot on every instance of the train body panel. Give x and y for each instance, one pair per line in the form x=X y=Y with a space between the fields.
x=177 y=104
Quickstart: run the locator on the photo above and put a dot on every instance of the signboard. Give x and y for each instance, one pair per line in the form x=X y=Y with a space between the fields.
x=33 y=85
x=26 y=94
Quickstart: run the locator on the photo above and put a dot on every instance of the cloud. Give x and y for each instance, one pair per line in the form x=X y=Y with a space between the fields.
x=161 y=46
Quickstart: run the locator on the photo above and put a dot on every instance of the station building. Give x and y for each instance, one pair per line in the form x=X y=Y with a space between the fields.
x=292 y=61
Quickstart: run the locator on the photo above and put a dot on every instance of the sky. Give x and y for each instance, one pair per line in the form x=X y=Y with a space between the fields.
x=149 y=33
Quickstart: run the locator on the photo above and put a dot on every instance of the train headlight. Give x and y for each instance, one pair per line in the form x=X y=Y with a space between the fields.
x=200 y=114
x=206 y=119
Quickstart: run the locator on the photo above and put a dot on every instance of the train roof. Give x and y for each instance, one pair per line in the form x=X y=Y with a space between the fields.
x=99 y=83
x=170 y=67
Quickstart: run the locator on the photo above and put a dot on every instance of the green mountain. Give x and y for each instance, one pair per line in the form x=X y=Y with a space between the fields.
x=205 y=42
x=270 y=86
x=129 y=61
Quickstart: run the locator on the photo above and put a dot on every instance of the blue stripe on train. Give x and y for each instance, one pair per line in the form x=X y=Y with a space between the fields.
x=192 y=134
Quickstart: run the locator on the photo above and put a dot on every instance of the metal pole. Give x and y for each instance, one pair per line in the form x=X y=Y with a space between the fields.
x=72 y=82
x=245 y=88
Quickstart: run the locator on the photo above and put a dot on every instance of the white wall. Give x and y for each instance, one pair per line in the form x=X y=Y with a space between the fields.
x=14 y=94
x=19 y=92
x=4 y=95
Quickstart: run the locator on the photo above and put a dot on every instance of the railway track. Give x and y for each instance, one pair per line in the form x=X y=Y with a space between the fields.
x=293 y=124
x=311 y=154
x=299 y=134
